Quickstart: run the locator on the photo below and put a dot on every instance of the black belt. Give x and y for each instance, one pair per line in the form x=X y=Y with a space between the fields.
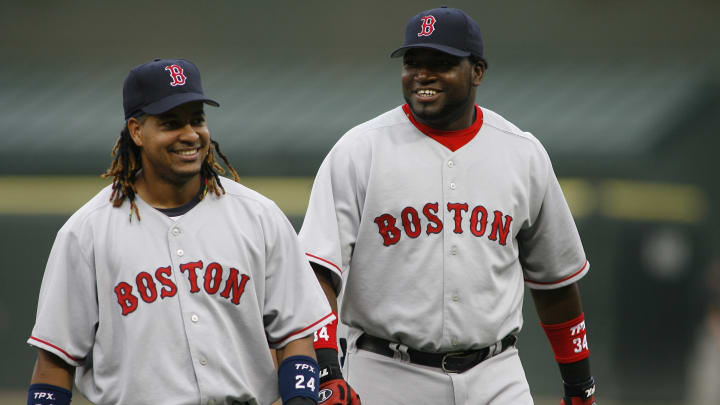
x=451 y=362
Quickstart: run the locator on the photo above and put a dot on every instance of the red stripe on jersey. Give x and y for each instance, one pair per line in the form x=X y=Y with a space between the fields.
x=55 y=347
x=452 y=140
x=561 y=280
x=326 y=261
x=303 y=329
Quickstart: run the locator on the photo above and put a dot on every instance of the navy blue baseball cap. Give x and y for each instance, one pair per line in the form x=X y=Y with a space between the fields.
x=161 y=85
x=445 y=29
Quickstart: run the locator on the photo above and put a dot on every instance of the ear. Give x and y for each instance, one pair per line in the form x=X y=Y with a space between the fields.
x=135 y=129
x=478 y=71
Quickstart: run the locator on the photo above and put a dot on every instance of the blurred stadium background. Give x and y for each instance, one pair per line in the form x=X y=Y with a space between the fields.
x=625 y=96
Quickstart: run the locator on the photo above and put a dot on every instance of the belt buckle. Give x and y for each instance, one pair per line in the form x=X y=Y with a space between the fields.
x=444 y=358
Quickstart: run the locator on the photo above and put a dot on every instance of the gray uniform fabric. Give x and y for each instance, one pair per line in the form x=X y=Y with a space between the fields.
x=177 y=311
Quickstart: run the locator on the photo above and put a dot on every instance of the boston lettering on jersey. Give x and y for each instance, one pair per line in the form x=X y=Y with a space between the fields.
x=412 y=224
x=148 y=289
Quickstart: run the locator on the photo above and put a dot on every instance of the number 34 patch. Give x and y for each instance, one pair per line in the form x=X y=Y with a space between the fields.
x=580 y=344
x=322 y=333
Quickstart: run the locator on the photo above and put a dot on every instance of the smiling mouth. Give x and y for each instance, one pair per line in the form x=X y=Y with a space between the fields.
x=426 y=93
x=187 y=152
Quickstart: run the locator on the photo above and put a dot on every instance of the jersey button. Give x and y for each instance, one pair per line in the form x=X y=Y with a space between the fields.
x=454 y=342
x=451 y=164
x=194 y=318
x=176 y=231
x=180 y=252
x=453 y=250
x=452 y=186
x=455 y=298
x=203 y=361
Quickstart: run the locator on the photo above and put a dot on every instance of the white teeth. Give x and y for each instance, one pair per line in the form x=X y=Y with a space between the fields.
x=426 y=92
x=187 y=152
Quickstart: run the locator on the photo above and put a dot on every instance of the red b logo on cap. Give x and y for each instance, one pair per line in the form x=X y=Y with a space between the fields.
x=177 y=75
x=427 y=27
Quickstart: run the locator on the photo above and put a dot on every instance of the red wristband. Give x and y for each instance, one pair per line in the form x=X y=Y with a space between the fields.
x=568 y=340
x=326 y=337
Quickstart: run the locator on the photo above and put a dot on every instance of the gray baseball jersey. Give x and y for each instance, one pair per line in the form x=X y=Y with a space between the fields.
x=177 y=311
x=434 y=245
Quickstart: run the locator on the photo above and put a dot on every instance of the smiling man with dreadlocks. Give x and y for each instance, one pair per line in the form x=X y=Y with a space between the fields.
x=127 y=163
x=178 y=303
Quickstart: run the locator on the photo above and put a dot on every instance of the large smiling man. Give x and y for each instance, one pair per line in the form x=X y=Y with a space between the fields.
x=432 y=218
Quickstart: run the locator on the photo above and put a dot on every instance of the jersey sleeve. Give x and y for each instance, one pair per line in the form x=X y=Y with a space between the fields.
x=551 y=251
x=331 y=223
x=67 y=310
x=295 y=305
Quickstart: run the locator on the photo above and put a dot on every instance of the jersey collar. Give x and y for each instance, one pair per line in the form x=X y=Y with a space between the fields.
x=452 y=140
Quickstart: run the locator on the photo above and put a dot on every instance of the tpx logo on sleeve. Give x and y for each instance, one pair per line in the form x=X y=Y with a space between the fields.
x=427 y=27
x=177 y=74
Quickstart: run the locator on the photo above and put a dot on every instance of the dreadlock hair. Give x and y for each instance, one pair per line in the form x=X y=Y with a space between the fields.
x=126 y=164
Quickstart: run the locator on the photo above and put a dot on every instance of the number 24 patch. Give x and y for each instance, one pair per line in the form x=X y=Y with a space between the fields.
x=300 y=383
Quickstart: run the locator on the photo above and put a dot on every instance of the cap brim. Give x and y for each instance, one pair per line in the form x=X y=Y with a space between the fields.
x=170 y=102
x=442 y=48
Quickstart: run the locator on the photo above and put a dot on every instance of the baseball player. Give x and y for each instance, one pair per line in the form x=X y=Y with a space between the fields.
x=169 y=285
x=431 y=218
